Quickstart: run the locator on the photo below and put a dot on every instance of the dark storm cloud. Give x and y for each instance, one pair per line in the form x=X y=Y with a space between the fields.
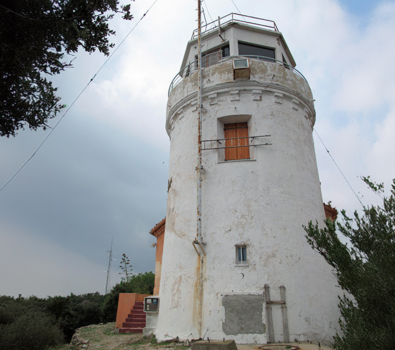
x=103 y=172
x=89 y=183
x=85 y=187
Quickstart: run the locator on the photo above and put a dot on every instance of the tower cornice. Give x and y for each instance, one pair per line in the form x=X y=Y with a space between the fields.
x=243 y=86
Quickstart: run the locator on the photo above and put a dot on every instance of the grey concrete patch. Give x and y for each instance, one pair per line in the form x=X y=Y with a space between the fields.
x=148 y=330
x=214 y=345
x=243 y=314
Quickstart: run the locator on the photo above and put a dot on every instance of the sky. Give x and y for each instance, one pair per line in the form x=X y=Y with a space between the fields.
x=102 y=174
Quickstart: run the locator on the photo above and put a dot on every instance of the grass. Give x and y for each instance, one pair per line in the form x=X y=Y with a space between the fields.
x=60 y=347
x=108 y=328
x=101 y=338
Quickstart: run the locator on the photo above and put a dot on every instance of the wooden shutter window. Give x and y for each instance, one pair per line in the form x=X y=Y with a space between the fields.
x=236 y=135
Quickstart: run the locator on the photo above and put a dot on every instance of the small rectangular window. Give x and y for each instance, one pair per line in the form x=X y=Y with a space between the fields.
x=241 y=255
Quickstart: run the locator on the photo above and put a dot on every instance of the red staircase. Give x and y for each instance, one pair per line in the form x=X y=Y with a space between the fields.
x=136 y=319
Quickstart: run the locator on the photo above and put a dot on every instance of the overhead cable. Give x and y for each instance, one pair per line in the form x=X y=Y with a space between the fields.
x=330 y=155
x=75 y=100
x=205 y=4
x=238 y=10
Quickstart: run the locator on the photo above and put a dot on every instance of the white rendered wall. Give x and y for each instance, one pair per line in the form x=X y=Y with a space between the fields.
x=232 y=34
x=262 y=202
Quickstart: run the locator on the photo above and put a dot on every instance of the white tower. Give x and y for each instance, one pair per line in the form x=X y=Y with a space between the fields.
x=260 y=184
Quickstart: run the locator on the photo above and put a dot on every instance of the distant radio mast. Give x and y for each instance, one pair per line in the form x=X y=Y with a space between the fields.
x=108 y=286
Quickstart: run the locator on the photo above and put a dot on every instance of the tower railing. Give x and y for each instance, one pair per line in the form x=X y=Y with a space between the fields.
x=216 y=58
x=236 y=18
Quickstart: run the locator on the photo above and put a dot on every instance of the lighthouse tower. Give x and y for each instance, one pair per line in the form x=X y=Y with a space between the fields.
x=236 y=263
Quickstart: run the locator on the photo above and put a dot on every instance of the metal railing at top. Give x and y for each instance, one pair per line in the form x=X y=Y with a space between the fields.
x=216 y=58
x=236 y=18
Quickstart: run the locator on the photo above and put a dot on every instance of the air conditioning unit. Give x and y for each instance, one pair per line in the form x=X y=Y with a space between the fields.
x=151 y=304
x=241 y=68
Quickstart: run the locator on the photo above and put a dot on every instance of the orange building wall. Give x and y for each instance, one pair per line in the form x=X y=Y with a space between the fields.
x=158 y=262
x=159 y=233
x=125 y=305
x=330 y=212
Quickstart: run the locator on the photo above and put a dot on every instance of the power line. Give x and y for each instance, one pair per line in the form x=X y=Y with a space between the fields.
x=238 y=10
x=205 y=4
x=339 y=169
x=75 y=100
x=204 y=15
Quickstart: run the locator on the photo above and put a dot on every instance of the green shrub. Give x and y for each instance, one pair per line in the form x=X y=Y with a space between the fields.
x=35 y=323
x=364 y=268
x=24 y=325
x=75 y=311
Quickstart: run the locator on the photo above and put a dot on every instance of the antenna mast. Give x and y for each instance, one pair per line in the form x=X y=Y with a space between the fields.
x=109 y=271
x=199 y=160
x=199 y=169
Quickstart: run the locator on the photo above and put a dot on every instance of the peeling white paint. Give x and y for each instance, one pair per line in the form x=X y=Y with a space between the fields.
x=262 y=203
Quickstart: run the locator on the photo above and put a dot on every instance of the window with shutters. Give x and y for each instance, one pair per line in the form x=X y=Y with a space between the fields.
x=236 y=141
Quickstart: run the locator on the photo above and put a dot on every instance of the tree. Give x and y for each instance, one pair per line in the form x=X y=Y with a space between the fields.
x=143 y=283
x=35 y=323
x=25 y=324
x=75 y=311
x=365 y=270
x=34 y=37
x=126 y=269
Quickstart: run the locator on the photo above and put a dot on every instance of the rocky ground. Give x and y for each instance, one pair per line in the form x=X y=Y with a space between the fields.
x=105 y=337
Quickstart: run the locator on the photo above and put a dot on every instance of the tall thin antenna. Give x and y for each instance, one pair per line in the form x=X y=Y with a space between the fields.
x=199 y=169
x=199 y=160
x=108 y=285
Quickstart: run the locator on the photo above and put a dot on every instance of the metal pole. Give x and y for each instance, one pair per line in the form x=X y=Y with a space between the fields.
x=109 y=271
x=199 y=179
x=199 y=159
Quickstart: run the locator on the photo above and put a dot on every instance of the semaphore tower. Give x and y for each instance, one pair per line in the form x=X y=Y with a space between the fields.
x=243 y=181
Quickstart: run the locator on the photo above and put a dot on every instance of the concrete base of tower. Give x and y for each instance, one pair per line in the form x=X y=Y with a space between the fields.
x=308 y=337
x=214 y=345
x=245 y=316
x=151 y=322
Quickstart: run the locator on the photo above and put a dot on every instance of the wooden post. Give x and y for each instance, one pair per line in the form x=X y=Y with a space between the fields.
x=269 y=315
x=284 y=314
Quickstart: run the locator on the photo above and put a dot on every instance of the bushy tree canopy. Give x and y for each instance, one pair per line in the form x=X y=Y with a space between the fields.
x=34 y=36
x=34 y=323
x=25 y=324
x=365 y=270
x=142 y=283
x=75 y=311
